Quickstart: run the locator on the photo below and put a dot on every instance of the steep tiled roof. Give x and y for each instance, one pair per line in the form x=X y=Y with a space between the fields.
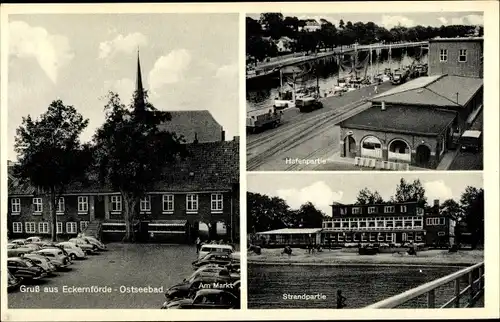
x=208 y=166
x=189 y=123
x=438 y=90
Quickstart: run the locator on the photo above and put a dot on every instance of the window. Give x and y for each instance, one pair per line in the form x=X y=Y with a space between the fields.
x=362 y=224
x=343 y=211
x=389 y=209
x=216 y=202
x=192 y=202
x=417 y=223
x=59 y=227
x=60 y=206
x=43 y=227
x=356 y=211
x=435 y=221
x=83 y=204
x=83 y=225
x=354 y=224
x=398 y=224
x=441 y=221
x=389 y=223
x=443 y=55
x=328 y=225
x=371 y=223
x=408 y=223
x=441 y=233
x=462 y=55
x=345 y=224
x=30 y=227
x=116 y=203
x=17 y=227
x=71 y=227
x=403 y=209
x=336 y=224
x=37 y=205
x=145 y=204
x=420 y=211
x=168 y=203
x=15 y=204
x=380 y=224
x=372 y=210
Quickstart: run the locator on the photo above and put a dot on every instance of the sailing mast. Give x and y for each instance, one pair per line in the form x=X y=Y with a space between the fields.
x=355 y=61
x=281 y=84
x=371 y=65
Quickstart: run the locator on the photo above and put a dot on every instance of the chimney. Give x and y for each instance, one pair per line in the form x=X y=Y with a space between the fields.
x=223 y=135
x=383 y=106
x=195 y=141
x=436 y=203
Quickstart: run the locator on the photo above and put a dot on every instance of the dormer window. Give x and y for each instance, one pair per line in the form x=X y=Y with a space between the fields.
x=356 y=210
x=372 y=210
x=389 y=209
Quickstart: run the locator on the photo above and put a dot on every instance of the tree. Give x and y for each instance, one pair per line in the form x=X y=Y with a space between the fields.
x=132 y=153
x=308 y=216
x=274 y=25
x=253 y=27
x=472 y=202
x=366 y=197
x=265 y=213
x=50 y=155
x=341 y=24
x=451 y=208
x=406 y=192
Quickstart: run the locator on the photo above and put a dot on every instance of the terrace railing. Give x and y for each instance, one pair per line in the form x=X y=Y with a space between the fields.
x=470 y=294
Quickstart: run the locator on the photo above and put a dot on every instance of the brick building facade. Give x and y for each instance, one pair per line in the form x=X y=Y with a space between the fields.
x=456 y=56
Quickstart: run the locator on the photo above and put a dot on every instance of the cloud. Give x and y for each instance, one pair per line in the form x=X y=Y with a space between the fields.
x=468 y=20
x=437 y=190
x=169 y=69
x=227 y=71
x=123 y=87
x=319 y=193
x=122 y=44
x=52 y=52
x=443 y=20
x=393 y=21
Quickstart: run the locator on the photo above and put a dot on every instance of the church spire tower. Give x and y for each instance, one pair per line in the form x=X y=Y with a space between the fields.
x=139 y=89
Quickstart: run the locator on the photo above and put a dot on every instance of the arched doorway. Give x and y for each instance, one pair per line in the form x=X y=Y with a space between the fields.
x=221 y=230
x=371 y=147
x=423 y=155
x=203 y=230
x=399 y=150
x=349 y=146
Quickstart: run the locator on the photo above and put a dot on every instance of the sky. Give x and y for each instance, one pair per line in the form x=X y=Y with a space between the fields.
x=389 y=20
x=189 y=62
x=323 y=189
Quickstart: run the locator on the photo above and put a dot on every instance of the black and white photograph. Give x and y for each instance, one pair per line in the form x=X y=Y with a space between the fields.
x=123 y=161
x=352 y=241
x=364 y=91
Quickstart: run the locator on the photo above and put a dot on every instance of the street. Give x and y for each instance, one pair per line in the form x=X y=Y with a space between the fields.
x=122 y=266
x=306 y=136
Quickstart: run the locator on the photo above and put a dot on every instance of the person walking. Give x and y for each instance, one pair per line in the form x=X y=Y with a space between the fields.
x=340 y=300
x=198 y=244
x=375 y=89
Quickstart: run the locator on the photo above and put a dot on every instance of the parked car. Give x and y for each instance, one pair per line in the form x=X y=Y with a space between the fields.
x=25 y=269
x=56 y=246
x=42 y=261
x=56 y=257
x=219 y=271
x=32 y=246
x=18 y=241
x=214 y=258
x=84 y=245
x=34 y=240
x=214 y=248
x=13 y=282
x=188 y=287
x=206 y=299
x=74 y=251
x=16 y=250
x=96 y=242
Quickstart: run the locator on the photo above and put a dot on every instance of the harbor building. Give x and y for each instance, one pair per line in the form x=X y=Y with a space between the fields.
x=294 y=237
x=375 y=223
x=456 y=56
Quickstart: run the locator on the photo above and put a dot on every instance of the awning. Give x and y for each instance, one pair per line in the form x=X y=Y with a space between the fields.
x=169 y=223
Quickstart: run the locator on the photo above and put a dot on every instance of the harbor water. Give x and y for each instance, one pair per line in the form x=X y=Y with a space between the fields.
x=361 y=285
x=263 y=96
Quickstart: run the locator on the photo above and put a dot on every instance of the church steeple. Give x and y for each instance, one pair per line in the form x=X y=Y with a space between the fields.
x=139 y=89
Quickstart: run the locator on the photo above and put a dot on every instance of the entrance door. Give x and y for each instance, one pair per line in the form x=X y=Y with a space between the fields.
x=99 y=208
x=144 y=232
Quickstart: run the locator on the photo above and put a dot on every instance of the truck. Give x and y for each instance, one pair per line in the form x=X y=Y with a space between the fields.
x=471 y=140
x=308 y=104
x=263 y=118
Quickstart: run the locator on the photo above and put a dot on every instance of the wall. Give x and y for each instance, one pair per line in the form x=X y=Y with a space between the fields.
x=471 y=68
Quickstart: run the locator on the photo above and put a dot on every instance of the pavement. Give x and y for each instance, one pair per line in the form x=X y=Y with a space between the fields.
x=122 y=266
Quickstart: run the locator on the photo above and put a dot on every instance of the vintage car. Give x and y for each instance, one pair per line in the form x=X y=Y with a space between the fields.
x=214 y=248
x=187 y=288
x=74 y=251
x=84 y=245
x=55 y=246
x=56 y=257
x=18 y=241
x=308 y=104
x=34 y=240
x=220 y=271
x=13 y=282
x=16 y=250
x=32 y=246
x=96 y=242
x=206 y=299
x=41 y=261
x=214 y=258
x=25 y=269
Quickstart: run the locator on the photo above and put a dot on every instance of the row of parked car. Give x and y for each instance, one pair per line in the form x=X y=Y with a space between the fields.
x=214 y=284
x=33 y=258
